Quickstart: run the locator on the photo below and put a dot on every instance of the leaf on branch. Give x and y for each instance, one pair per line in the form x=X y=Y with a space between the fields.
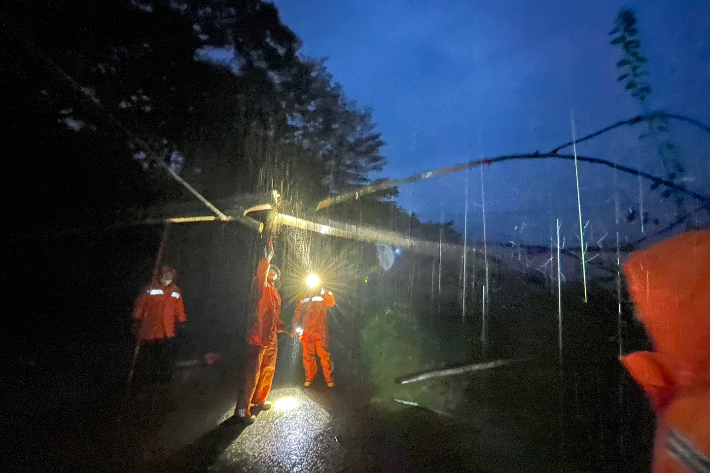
x=632 y=44
x=631 y=84
x=617 y=40
x=623 y=62
x=622 y=77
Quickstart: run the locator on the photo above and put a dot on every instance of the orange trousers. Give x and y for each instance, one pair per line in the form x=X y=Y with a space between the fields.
x=258 y=373
x=311 y=346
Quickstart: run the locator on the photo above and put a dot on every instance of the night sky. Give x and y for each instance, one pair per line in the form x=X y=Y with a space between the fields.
x=451 y=81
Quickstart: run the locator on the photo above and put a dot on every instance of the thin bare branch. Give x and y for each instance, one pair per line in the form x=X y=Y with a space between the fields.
x=389 y=183
x=634 y=121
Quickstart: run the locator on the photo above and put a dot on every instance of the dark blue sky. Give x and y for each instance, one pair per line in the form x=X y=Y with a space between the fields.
x=450 y=81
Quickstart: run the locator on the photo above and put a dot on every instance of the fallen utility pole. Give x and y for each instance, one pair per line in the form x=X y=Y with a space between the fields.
x=414 y=404
x=457 y=371
x=235 y=208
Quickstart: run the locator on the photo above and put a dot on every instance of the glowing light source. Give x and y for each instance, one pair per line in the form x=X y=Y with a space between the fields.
x=312 y=280
x=286 y=403
x=299 y=330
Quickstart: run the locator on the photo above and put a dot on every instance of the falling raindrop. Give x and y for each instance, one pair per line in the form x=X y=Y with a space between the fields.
x=582 y=241
x=465 y=251
x=486 y=286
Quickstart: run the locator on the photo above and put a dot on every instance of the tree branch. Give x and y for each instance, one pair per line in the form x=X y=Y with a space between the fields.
x=634 y=121
x=513 y=157
x=631 y=246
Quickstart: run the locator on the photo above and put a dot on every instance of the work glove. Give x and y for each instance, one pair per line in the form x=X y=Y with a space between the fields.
x=269 y=250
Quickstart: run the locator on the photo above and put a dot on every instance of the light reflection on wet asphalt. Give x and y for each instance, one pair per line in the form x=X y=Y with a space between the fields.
x=288 y=437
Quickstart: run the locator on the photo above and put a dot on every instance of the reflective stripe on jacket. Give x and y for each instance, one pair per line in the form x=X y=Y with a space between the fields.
x=158 y=308
x=669 y=285
x=312 y=314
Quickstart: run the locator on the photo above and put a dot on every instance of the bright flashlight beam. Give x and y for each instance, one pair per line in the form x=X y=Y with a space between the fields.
x=312 y=280
x=375 y=235
x=363 y=233
x=299 y=330
x=286 y=403
x=353 y=232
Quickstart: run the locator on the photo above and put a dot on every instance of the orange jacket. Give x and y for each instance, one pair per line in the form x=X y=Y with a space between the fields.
x=669 y=285
x=265 y=317
x=158 y=307
x=313 y=310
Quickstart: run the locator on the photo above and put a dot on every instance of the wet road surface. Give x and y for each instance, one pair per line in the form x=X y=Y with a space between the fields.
x=188 y=427
x=307 y=430
x=295 y=435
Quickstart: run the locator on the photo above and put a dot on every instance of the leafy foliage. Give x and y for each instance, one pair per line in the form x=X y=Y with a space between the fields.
x=632 y=77
x=631 y=65
x=394 y=346
x=214 y=88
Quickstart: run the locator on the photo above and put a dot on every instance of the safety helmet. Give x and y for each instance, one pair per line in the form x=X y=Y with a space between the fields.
x=166 y=269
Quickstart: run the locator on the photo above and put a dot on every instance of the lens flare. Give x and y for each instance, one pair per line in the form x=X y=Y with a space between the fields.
x=312 y=280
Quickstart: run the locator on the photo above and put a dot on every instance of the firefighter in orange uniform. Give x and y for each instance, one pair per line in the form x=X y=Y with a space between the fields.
x=669 y=285
x=158 y=316
x=311 y=321
x=262 y=341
